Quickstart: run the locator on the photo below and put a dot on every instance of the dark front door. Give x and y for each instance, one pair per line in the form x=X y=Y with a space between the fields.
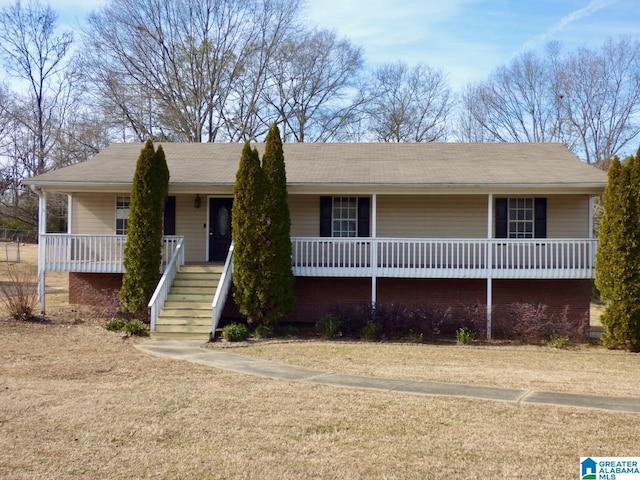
x=219 y=228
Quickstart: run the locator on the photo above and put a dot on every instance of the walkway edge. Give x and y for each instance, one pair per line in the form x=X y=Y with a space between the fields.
x=192 y=351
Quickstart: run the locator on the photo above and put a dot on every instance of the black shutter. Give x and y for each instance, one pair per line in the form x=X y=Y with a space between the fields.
x=326 y=204
x=502 y=213
x=363 y=216
x=169 y=225
x=540 y=223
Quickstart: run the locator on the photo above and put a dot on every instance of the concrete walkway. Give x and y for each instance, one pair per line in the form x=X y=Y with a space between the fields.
x=192 y=351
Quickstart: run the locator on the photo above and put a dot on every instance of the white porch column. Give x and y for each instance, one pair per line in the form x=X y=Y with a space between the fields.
x=42 y=230
x=374 y=250
x=489 y=260
x=69 y=214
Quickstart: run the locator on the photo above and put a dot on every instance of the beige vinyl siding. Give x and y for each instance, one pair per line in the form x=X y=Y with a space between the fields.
x=191 y=223
x=94 y=213
x=305 y=215
x=438 y=216
x=568 y=216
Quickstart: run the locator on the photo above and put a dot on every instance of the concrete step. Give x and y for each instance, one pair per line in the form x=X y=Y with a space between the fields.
x=180 y=336
x=186 y=312
x=208 y=281
x=161 y=328
x=185 y=321
x=193 y=291
x=204 y=268
x=183 y=297
x=180 y=304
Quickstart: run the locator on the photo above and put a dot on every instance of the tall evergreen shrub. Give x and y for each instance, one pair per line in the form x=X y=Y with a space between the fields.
x=143 y=250
x=278 y=276
x=248 y=234
x=618 y=256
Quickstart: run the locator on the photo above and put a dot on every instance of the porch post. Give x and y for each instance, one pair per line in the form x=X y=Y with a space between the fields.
x=374 y=250
x=42 y=230
x=69 y=214
x=489 y=260
x=591 y=218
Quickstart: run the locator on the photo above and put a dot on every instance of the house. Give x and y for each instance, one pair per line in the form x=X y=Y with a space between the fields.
x=433 y=223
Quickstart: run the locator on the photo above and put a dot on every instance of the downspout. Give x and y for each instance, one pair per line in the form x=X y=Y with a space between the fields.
x=42 y=230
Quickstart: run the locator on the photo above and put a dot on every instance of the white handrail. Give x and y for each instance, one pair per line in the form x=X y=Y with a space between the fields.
x=222 y=292
x=164 y=285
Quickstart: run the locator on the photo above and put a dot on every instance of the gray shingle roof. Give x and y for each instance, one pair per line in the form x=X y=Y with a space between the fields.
x=356 y=164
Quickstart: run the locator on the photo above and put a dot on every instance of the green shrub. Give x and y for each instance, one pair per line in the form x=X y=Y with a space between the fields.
x=288 y=330
x=370 y=331
x=114 y=325
x=557 y=341
x=464 y=336
x=262 y=331
x=329 y=326
x=143 y=249
x=135 y=327
x=235 y=332
x=415 y=337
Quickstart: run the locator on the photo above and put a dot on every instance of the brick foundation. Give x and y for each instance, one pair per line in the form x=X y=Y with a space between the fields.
x=315 y=296
x=92 y=288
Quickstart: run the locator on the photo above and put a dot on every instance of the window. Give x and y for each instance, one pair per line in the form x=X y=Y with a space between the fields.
x=521 y=217
x=122 y=215
x=344 y=216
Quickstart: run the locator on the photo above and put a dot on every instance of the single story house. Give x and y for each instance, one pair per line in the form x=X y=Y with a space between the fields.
x=428 y=223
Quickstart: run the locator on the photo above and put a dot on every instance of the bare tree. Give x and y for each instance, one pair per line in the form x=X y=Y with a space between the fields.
x=408 y=104
x=34 y=53
x=182 y=62
x=518 y=103
x=314 y=86
x=601 y=96
x=588 y=99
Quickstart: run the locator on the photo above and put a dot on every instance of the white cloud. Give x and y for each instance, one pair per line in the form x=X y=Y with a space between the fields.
x=592 y=7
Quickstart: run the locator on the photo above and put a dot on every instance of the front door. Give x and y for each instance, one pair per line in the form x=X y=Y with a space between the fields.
x=219 y=228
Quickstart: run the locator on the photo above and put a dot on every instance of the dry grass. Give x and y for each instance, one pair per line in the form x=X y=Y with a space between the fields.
x=78 y=402
x=586 y=369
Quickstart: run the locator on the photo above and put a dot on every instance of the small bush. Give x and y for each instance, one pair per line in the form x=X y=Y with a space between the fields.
x=109 y=305
x=431 y=320
x=415 y=337
x=114 y=325
x=556 y=341
x=20 y=296
x=262 y=331
x=370 y=331
x=329 y=326
x=135 y=327
x=530 y=322
x=464 y=336
x=287 y=330
x=235 y=332
x=394 y=319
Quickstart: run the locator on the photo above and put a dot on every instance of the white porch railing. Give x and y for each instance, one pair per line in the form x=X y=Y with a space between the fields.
x=93 y=253
x=443 y=258
x=224 y=285
x=164 y=285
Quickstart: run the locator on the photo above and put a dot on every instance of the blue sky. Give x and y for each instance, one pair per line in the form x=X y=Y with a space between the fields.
x=465 y=38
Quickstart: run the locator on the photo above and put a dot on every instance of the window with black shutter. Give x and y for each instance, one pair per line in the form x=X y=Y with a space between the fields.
x=521 y=217
x=344 y=216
